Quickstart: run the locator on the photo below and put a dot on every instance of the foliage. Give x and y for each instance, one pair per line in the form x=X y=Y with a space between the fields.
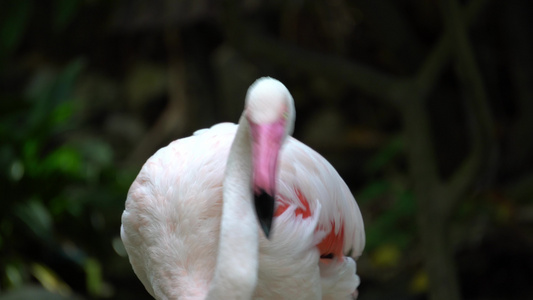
x=61 y=188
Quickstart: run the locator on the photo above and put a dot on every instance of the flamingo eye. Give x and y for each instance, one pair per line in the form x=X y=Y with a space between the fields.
x=326 y=256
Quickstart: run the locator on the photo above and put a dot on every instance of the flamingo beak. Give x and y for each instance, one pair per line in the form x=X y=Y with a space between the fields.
x=267 y=140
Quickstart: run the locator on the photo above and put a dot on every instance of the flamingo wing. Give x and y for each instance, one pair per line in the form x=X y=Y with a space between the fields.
x=171 y=222
x=315 y=187
x=317 y=223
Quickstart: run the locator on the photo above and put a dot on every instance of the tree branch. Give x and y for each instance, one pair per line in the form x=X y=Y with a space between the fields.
x=435 y=199
x=366 y=79
x=468 y=73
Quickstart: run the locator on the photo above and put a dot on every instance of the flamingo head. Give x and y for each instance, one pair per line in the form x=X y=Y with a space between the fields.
x=270 y=113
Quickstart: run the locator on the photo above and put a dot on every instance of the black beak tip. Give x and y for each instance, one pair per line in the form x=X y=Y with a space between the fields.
x=266 y=228
x=264 y=207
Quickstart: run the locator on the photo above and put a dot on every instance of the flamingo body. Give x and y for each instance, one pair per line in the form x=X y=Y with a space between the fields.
x=171 y=226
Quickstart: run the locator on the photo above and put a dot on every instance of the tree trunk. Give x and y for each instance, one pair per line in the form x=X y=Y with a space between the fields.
x=433 y=212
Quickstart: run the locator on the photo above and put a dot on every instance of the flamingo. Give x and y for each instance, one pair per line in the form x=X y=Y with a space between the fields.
x=244 y=212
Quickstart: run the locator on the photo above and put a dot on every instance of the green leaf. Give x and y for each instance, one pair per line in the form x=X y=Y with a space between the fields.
x=97 y=155
x=93 y=270
x=15 y=20
x=36 y=217
x=385 y=155
x=64 y=84
x=30 y=151
x=372 y=191
x=64 y=159
x=50 y=280
x=394 y=225
x=14 y=275
x=73 y=200
x=49 y=90
x=97 y=151
x=64 y=13
x=62 y=114
x=16 y=171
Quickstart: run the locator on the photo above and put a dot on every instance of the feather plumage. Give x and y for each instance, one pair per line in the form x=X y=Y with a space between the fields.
x=171 y=224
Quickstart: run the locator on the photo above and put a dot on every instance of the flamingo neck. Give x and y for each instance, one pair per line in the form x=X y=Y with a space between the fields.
x=235 y=275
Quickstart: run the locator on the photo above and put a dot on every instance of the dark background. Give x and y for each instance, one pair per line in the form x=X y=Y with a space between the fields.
x=423 y=106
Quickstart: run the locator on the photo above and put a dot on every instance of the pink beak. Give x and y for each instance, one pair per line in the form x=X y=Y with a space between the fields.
x=267 y=140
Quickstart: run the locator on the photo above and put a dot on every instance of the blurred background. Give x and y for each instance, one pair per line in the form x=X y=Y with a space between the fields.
x=423 y=106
